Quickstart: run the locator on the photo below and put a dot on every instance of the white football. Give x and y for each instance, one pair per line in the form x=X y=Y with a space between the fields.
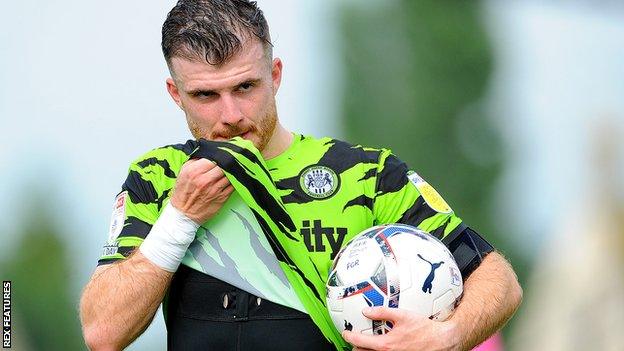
x=397 y=266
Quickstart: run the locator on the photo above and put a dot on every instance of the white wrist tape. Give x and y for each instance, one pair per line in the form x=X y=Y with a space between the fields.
x=169 y=238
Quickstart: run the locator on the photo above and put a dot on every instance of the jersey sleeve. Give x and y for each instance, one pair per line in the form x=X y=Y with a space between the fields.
x=402 y=196
x=143 y=195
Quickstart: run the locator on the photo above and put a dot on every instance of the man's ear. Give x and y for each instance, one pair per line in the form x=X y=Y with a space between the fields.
x=276 y=74
x=174 y=92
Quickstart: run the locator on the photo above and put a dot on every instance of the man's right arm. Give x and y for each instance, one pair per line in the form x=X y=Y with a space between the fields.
x=121 y=300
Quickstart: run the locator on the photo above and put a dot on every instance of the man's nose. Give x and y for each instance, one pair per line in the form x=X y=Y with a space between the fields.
x=231 y=113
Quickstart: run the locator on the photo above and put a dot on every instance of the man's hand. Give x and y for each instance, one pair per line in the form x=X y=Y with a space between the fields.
x=201 y=190
x=491 y=296
x=409 y=332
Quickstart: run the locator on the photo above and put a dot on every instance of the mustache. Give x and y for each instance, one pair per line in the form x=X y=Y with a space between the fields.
x=231 y=132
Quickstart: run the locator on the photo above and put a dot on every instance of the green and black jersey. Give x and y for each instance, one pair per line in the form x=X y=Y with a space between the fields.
x=329 y=189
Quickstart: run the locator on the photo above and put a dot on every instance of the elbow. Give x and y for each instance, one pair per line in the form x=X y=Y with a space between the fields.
x=96 y=334
x=512 y=291
x=98 y=330
x=515 y=293
x=518 y=293
x=96 y=340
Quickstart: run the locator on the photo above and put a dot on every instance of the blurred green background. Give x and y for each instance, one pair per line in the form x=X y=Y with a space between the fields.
x=503 y=107
x=416 y=73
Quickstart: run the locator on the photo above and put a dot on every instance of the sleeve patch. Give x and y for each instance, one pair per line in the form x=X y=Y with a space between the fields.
x=118 y=217
x=429 y=194
x=109 y=250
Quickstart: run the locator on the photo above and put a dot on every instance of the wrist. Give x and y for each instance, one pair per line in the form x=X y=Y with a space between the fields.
x=179 y=208
x=169 y=238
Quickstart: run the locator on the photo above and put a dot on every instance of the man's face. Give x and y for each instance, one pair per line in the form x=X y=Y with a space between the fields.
x=234 y=99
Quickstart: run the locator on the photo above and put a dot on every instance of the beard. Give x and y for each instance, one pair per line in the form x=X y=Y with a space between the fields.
x=259 y=133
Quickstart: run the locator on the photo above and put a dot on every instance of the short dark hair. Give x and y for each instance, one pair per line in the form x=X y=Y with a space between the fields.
x=212 y=30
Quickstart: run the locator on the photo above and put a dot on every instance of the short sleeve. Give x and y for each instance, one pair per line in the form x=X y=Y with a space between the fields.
x=402 y=196
x=145 y=191
x=135 y=210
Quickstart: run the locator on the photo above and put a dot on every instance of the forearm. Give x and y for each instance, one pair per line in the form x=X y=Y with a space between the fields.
x=491 y=296
x=120 y=301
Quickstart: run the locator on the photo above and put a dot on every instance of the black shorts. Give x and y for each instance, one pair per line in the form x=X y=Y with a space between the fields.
x=204 y=313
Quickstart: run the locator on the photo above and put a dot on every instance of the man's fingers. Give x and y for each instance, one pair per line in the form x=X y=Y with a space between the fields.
x=222 y=184
x=227 y=190
x=364 y=341
x=201 y=189
x=384 y=313
x=195 y=167
x=211 y=179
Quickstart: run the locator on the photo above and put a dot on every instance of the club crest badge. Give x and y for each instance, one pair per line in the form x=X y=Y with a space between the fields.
x=319 y=182
x=429 y=194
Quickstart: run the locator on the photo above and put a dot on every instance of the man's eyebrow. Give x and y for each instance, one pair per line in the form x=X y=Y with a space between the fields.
x=252 y=81
x=198 y=91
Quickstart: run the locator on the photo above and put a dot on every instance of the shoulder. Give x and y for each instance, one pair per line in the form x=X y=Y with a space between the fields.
x=345 y=151
x=171 y=152
x=167 y=159
x=153 y=173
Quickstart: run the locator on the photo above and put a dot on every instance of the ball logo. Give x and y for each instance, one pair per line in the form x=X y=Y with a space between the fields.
x=319 y=182
x=347 y=325
x=428 y=284
x=456 y=279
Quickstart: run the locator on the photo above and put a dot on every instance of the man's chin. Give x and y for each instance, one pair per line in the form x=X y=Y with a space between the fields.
x=254 y=140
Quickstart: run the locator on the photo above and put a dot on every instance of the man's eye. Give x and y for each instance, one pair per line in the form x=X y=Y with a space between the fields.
x=245 y=86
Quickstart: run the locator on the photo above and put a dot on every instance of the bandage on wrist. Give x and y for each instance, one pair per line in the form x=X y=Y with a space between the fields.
x=169 y=238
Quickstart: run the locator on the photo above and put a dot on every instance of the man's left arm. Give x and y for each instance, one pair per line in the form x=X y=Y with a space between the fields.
x=491 y=290
x=491 y=296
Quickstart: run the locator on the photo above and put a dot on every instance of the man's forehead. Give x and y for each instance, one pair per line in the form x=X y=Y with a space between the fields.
x=252 y=51
x=249 y=62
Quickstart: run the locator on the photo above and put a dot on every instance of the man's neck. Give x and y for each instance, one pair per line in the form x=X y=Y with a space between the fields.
x=280 y=141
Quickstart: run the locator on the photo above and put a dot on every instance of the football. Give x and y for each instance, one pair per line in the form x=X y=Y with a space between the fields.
x=396 y=266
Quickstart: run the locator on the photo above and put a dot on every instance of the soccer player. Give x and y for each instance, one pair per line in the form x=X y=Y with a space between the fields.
x=233 y=231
